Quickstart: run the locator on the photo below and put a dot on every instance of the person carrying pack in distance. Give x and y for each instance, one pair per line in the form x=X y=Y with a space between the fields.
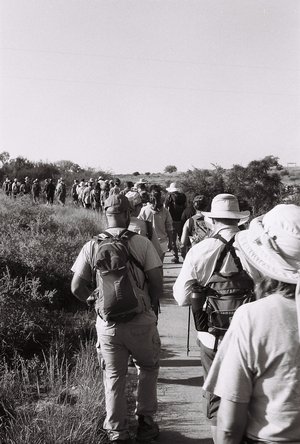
x=212 y=266
x=194 y=229
x=116 y=262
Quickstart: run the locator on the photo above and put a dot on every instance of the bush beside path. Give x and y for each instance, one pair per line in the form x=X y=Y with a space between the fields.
x=180 y=412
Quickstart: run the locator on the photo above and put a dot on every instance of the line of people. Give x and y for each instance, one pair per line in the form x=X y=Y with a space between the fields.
x=250 y=355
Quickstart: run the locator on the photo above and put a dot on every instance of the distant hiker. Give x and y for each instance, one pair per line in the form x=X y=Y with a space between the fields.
x=143 y=227
x=74 y=192
x=128 y=187
x=36 y=190
x=126 y=320
x=87 y=195
x=175 y=202
x=141 y=185
x=25 y=187
x=61 y=192
x=195 y=229
x=104 y=191
x=145 y=196
x=7 y=184
x=97 y=196
x=80 y=189
x=49 y=191
x=161 y=220
x=15 y=188
x=213 y=272
x=116 y=188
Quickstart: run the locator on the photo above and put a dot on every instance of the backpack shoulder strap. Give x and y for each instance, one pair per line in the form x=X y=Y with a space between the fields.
x=227 y=249
x=127 y=234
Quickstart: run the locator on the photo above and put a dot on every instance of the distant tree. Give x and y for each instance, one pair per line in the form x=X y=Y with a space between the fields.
x=4 y=157
x=203 y=181
x=67 y=166
x=170 y=169
x=147 y=173
x=259 y=184
x=136 y=173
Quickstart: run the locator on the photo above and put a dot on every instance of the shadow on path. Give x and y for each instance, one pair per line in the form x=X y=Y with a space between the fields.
x=168 y=436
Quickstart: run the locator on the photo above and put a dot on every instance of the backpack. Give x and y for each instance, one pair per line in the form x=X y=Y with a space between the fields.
x=116 y=298
x=224 y=294
x=198 y=229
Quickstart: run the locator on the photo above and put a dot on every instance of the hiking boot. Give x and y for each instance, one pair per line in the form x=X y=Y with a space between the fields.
x=175 y=260
x=147 y=429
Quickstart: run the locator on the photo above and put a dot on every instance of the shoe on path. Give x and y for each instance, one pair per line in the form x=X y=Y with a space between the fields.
x=147 y=429
x=175 y=260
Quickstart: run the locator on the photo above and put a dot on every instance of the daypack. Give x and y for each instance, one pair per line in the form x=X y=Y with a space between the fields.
x=224 y=294
x=116 y=298
x=176 y=204
x=197 y=229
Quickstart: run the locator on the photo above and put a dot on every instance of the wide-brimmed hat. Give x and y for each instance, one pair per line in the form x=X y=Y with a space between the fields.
x=173 y=188
x=272 y=243
x=141 y=181
x=226 y=206
x=116 y=204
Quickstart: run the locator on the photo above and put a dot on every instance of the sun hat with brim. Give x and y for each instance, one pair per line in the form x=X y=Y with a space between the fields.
x=272 y=243
x=272 y=246
x=226 y=206
x=116 y=204
x=173 y=188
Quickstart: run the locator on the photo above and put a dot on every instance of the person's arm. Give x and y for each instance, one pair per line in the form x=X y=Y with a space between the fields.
x=80 y=288
x=185 y=240
x=155 y=287
x=232 y=422
x=169 y=228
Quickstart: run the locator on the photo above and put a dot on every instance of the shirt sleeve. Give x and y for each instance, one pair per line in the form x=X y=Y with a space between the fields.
x=183 y=286
x=83 y=263
x=230 y=376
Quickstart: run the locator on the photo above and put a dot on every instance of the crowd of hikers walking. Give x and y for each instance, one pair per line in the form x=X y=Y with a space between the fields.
x=241 y=281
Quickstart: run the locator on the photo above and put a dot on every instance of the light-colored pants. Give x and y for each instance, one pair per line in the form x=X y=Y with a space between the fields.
x=138 y=337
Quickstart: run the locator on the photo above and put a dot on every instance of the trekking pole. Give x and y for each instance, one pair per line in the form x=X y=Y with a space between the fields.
x=188 y=332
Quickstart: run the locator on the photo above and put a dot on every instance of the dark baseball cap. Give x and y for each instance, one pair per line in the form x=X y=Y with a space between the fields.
x=116 y=204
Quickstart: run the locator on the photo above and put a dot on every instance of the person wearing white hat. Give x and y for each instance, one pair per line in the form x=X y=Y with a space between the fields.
x=256 y=371
x=198 y=267
x=175 y=202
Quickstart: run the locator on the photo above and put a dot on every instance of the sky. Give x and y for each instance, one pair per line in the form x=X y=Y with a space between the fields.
x=136 y=85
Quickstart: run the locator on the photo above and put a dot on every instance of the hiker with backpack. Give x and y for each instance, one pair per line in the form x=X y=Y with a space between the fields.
x=61 y=192
x=125 y=271
x=160 y=218
x=215 y=283
x=175 y=202
x=256 y=371
x=195 y=228
x=143 y=227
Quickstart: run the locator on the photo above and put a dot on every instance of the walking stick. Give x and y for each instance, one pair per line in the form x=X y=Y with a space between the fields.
x=188 y=332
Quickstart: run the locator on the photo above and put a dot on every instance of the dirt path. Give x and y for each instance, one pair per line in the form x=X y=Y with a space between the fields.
x=180 y=397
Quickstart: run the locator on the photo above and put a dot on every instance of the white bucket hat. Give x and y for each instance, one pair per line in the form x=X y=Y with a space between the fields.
x=226 y=206
x=173 y=188
x=272 y=245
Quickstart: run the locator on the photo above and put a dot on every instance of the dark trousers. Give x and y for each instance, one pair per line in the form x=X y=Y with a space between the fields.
x=212 y=401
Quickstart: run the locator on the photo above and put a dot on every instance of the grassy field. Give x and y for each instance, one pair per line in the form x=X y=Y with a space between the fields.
x=50 y=381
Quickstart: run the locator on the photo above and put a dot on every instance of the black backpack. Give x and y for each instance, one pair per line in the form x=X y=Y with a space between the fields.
x=222 y=295
x=115 y=295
